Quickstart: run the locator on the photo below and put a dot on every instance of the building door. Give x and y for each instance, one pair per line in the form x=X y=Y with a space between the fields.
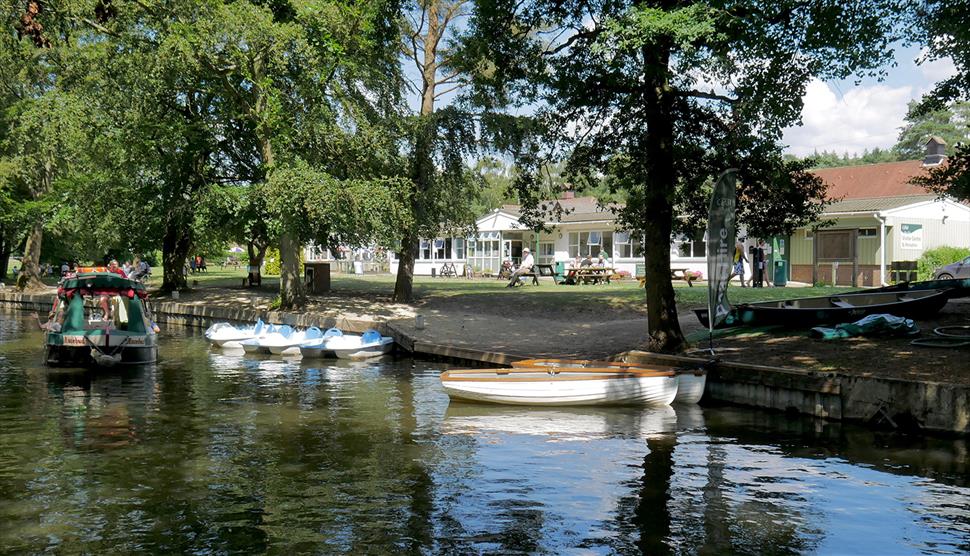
x=835 y=257
x=512 y=249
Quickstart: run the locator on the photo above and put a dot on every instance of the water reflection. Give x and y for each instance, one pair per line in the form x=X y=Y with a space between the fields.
x=222 y=452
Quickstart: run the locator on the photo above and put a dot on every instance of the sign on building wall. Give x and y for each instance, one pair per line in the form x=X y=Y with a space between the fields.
x=911 y=236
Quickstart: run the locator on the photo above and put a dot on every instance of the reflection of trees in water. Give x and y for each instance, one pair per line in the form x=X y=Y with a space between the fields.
x=686 y=502
x=651 y=512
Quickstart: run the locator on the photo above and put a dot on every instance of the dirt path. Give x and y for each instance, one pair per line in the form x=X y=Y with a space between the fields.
x=535 y=327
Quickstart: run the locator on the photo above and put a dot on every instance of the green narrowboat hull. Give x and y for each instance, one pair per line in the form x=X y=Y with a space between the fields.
x=77 y=349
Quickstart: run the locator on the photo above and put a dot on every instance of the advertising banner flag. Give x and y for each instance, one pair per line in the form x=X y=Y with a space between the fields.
x=720 y=246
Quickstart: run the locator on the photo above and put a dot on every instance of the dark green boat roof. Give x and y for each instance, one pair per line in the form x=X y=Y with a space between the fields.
x=100 y=281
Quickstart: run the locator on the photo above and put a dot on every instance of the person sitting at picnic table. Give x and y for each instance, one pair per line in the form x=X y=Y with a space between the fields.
x=587 y=261
x=526 y=267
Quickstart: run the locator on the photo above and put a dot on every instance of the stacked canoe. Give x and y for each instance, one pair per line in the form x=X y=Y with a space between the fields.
x=563 y=382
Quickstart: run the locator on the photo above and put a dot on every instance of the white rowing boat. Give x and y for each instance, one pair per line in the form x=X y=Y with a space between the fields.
x=691 y=381
x=559 y=386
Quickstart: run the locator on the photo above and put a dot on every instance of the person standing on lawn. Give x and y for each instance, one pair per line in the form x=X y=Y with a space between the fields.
x=739 y=260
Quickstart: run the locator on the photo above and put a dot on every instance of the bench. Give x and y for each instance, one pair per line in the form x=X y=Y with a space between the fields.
x=675 y=274
x=902 y=271
x=448 y=270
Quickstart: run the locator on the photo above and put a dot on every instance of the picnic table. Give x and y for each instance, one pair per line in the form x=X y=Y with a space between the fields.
x=588 y=275
x=675 y=274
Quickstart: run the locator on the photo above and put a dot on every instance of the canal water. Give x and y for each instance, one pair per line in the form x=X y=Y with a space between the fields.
x=209 y=452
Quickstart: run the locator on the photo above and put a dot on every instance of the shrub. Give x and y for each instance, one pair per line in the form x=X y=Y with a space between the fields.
x=935 y=258
x=272 y=263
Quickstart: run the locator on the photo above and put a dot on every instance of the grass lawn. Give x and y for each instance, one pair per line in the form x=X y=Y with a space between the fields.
x=625 y=293
x=618 y=296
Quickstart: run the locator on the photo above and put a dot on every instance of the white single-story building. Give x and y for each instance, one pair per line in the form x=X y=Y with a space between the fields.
x=584 y=229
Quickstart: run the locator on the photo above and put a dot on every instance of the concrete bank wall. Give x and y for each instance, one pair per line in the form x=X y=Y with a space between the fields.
x=896 y=403
x=201 y=316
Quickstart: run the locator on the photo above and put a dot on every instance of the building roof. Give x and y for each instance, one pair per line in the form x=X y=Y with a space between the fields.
x=888 y=179
x=575 y=210
x=876 y=204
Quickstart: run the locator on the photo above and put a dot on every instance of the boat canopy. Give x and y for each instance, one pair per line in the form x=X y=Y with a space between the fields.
x=101 y=283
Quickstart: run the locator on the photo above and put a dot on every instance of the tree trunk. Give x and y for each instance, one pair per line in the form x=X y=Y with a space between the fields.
x=30 y=265
x=662 y=323
x=292 y=290
x=404 y=286
x=256 y=252
x=4 y=252
x=423 y=169
x=176 y=244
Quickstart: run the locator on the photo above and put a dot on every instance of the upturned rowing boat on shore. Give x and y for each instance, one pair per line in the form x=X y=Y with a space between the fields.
x=846 y=307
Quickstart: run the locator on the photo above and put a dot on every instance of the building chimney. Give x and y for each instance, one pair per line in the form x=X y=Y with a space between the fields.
x=568 y=194
x=935 y=151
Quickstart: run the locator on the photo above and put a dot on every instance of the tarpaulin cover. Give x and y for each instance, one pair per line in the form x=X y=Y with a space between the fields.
x=872 y=325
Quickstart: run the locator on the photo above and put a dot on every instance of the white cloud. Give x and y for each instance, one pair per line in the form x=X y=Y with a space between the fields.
x=865 y=116
x=935 y=70
x=862 y=118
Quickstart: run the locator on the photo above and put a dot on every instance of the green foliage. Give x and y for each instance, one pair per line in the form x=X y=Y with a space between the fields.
x=951 y=123
x=272 y=262
x=832 y=159
x=933 y=259
x=313 y=205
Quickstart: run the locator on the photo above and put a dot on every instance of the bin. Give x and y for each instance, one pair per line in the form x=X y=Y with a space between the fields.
x=781 y=273
x=560 y=270
x=316 y=275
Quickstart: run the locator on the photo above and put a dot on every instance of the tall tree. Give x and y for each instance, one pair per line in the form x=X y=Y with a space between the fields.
x=665 y=94
x=43 y=121
x=944 y=29
x=951 y=123
x=443 y=189
x=294 y=78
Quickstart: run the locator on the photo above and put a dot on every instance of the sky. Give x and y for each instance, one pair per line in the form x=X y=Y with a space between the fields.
x=843 y=117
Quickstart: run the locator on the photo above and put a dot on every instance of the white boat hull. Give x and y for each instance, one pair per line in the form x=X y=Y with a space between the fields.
x=564 y=391
x=690 y=386
x=224 y=335
x=251 y=346
x=315 y=351
x=347 y=350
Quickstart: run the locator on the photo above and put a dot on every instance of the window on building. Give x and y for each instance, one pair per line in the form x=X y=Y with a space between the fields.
x=590 y=244
x=424 y=250
x=442 y=248
x=694 y=246
x=459 y=248
x=868 y=232
x=547 y=252
x=627 y=246
x=484 y=252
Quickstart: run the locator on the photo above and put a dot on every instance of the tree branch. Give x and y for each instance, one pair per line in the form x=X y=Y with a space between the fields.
x=709 y=96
